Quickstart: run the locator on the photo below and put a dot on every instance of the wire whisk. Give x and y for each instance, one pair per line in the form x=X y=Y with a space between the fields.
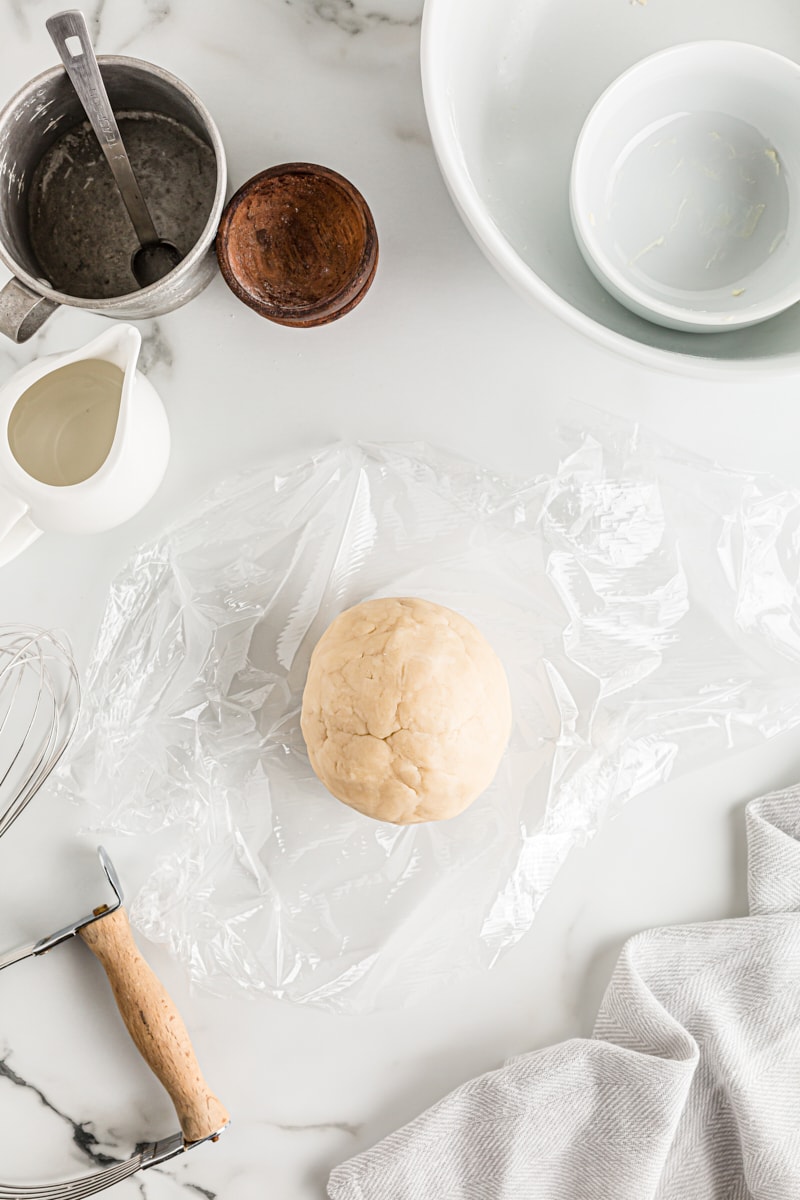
x=39 y=703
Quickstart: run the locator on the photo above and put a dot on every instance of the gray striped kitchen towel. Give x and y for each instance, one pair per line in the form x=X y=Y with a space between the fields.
x=689 y=1088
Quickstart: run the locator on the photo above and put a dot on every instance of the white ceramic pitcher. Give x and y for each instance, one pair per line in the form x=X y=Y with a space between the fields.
x=84 y=442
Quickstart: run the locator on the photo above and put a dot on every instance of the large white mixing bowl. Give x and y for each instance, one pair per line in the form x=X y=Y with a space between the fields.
x=508 y=85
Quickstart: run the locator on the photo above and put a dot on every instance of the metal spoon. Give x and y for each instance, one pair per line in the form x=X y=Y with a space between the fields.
x=155 y=257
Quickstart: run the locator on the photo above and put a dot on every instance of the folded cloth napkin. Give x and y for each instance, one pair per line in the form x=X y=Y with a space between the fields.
x=689 y=1088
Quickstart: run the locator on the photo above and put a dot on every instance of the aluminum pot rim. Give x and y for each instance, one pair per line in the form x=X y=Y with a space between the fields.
x=204 y=243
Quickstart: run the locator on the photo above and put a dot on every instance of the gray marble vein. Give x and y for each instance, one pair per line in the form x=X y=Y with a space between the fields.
x=83 y=1138
x=355 y=18
x=28 y=21
x=156 y=349
x=95 y=21
x=18 y=12
x=413 y=135
x=339 y=1126
x=156 y=11
x=86 y=1141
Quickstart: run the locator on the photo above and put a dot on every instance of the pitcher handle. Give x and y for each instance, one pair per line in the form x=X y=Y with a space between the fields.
x=17 y=530
x=23 y=311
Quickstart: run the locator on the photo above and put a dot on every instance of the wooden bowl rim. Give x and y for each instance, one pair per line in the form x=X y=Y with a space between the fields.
x=323 y=311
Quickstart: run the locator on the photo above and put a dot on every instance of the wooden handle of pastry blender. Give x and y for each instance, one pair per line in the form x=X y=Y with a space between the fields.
x=155 y=1025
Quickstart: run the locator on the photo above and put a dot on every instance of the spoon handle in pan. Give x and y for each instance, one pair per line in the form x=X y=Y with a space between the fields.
x=70 y=36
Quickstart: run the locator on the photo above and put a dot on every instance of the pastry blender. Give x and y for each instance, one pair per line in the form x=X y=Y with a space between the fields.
x=39 y=701
x=158 y=1033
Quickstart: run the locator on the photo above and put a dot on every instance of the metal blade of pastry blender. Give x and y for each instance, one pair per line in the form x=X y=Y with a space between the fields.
x=61 y=935
x=151 y=1154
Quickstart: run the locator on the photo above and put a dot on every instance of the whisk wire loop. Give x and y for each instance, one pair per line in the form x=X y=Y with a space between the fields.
x=39 y=703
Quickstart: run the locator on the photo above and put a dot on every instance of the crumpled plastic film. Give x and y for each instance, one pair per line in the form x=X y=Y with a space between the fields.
x=644 y=602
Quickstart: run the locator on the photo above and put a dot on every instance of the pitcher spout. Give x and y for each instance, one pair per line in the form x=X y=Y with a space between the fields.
x=120 y=345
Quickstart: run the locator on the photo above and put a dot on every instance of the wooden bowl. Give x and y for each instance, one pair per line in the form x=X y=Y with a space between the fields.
x=297 y=243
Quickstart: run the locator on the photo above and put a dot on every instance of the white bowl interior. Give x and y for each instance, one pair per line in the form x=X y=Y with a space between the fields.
x=684 y=185
x=508 y=86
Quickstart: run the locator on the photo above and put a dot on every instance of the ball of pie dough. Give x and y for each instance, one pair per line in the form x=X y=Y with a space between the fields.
x=406 y=710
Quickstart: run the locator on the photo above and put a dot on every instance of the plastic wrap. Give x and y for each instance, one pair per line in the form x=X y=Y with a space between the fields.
x=645 y=605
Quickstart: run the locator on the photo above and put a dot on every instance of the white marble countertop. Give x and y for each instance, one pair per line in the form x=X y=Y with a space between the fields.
x=439 y=350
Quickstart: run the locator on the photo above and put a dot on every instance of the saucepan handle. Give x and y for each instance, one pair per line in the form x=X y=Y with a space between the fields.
x=23 y=311
x=155 y=1025
x=17 y=530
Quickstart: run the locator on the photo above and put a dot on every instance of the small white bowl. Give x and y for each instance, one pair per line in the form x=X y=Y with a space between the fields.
x=683 y=193
x=508 y=85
